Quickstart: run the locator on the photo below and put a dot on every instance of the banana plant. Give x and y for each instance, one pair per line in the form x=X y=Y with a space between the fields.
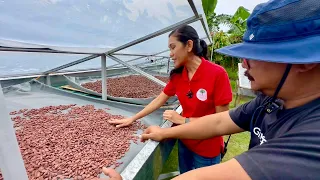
x=208 y=7
x=239 y=21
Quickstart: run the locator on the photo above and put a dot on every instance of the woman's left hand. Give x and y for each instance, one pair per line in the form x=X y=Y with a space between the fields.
x=111 y=173
x=174 y=117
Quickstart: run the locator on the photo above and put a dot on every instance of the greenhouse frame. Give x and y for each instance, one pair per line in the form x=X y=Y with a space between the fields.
x=121 y=37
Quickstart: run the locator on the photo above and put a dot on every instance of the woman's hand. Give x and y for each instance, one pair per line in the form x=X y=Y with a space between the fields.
x=174 y=117
x=121 y=122
x=111 y=173
x=154 y=133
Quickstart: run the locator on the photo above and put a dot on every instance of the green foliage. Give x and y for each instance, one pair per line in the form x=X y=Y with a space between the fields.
x=232 y=73
x=209 y=6
x=237 y=24
x=235 y=38
x=215 y=20
x=239 y=20
x=221 y=39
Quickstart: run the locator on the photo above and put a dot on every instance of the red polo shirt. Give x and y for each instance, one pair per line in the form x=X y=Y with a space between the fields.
x=210 y=87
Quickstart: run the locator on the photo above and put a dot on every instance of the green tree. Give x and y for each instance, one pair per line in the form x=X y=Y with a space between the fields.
x=237 y=26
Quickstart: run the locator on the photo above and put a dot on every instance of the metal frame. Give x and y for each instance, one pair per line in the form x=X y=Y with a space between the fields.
x=44 y=50
x=152 y=55
x=13 y=167
x=142 y=63
x=104 y=76
x=140 y=55
x=138 y=70
x=205 y=27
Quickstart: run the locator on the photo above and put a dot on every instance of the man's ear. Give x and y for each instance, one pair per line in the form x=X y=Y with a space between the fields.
x=189 y=45
x=306 y=67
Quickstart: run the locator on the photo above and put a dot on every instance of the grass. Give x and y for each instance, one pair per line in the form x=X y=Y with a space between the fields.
x=238 y=142
x=232 y=73
x=172 y=162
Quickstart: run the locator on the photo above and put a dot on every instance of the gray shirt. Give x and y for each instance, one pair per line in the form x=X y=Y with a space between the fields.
x=284 y=144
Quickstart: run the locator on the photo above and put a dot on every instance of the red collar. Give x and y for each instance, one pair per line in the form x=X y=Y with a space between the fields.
x=198 y=72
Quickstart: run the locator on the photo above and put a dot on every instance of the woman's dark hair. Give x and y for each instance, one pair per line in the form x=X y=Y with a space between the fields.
x=184 y=34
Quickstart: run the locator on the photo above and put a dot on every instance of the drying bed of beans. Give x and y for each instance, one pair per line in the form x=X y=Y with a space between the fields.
x=132 y=86
x=70 y=142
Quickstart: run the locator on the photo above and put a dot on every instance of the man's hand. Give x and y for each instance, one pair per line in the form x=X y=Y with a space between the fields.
x=111 y=173
x=121 y=122
x=174 y=117
x=154 y=133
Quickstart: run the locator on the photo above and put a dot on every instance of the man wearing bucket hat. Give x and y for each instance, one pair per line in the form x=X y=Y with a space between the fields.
x=281 y=54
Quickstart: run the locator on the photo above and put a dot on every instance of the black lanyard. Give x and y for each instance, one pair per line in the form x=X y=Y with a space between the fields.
x=271 y=105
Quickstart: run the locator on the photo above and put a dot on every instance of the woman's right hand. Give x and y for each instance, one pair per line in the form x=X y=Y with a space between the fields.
x=154 y=133
x=121 y=122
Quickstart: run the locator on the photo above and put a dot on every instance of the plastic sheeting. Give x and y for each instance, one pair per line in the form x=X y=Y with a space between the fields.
x=87 y=25
x=16 y=63
x=20 y=64
x=36 y=95
x=160 y=43
x=76 y=82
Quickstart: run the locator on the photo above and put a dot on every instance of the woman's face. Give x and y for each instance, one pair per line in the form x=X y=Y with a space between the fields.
x=178 y=51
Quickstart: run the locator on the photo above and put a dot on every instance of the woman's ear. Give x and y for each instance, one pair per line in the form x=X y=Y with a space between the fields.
x=189 y=45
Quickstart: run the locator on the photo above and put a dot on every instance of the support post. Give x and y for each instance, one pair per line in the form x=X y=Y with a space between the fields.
x=104 y=76
x=212 y=53
x=168 y=65
x=11 y=162
x=48 y=80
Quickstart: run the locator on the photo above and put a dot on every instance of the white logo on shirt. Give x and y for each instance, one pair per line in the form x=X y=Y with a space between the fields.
x=257 y=131
x=251 y=36
x=202 y=94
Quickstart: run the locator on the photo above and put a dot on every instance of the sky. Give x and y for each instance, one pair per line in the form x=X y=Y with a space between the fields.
x=230 y=6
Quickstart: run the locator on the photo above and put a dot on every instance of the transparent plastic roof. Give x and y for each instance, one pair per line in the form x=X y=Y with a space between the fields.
x=22 y=63
x=19 y=63
x=90 y=25
x=160 y=43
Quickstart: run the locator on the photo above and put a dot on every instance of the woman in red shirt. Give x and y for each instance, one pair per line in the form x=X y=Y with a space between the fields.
x=202 y=88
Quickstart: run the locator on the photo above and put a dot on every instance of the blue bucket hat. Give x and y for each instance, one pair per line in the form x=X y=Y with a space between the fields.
x=282 y=31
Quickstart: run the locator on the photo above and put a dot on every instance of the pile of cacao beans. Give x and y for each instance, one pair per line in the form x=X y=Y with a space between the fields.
x=70 y=141
x=132 y=86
